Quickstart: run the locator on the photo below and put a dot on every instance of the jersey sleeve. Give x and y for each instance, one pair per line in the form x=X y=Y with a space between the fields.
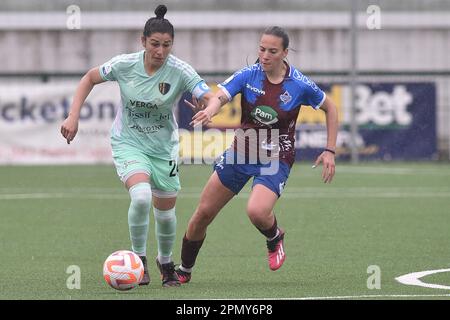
x=313 y=95
x=109 y=70
x=234 y=84
x=192 y=82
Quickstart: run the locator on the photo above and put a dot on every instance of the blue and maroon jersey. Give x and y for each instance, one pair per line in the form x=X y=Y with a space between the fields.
x=271 y=106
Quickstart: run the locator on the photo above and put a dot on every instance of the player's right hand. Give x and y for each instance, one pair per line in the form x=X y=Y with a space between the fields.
x=69 y=128
x=201 y=117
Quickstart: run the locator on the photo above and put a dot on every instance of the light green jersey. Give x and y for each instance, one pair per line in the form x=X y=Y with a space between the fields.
x=146 y=118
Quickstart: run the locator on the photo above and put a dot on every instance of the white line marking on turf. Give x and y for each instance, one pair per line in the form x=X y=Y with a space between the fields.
x=32 y=196
x=399 y=171
x=412 y=279
x=194 y=193
x=376 y=296
x=376 y=170
x=363 y=296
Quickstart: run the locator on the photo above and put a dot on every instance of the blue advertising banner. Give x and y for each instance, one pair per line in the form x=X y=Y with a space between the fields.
x=408 y=122
x=395 y=121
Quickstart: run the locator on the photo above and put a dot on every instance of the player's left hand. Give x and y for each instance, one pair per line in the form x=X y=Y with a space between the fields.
x=329 y=167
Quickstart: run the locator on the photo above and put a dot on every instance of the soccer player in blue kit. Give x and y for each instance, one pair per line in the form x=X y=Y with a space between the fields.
x=272 y=93
x=144 y=135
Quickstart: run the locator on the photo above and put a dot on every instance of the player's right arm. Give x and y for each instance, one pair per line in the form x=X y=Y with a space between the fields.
x=69 y=127
x=227 y=90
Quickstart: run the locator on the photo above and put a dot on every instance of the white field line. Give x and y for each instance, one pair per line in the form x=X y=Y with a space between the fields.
x=194 y=193
x=397 y=171
x=412 y=279
x=379 y=296
x=34 y=196
x=368 y=296
x=350 y=297
x=325 y=189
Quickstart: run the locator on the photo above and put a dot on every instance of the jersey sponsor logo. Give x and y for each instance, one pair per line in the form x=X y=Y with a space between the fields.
x=220 y=162
x=149 y=129
x=265 y=115
x=128 y=163
x=285 y=97
x=164 y=87
x=285 y=143
x=140 y=104
x=297 y=75
x=148 y=115
x=139 y=115
x=255 y=90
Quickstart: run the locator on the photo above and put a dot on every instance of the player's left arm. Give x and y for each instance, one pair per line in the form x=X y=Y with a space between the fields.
x=327 y=156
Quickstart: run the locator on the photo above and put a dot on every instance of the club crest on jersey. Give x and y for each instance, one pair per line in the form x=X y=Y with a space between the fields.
x=265 y=115
x=285 y=97
x=164 y=87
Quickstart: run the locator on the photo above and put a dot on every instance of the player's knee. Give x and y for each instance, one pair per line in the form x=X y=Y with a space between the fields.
x=141 y=203
x=141 y=197
x=204 y=214
x=256 y=213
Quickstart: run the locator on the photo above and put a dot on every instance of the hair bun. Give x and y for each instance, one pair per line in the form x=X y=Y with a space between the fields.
x=160 y=11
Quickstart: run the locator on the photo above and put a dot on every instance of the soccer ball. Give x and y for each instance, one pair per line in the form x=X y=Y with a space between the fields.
x=123 y=270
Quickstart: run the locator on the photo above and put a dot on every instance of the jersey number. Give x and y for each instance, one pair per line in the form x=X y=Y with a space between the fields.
x=174 y=171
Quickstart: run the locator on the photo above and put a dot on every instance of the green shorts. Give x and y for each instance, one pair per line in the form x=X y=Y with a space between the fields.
x=163 y=174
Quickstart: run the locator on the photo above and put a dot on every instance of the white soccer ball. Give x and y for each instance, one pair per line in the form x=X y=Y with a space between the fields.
x=123 y=270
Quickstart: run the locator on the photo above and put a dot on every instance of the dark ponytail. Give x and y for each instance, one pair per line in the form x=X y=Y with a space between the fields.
x=159 y=23
x=160 y=11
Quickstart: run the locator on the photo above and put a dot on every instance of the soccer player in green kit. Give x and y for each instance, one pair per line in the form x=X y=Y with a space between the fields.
x=144 y=135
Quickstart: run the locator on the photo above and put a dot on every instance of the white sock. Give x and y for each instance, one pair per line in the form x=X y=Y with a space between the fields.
x=164 y=260
x=188 y=270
